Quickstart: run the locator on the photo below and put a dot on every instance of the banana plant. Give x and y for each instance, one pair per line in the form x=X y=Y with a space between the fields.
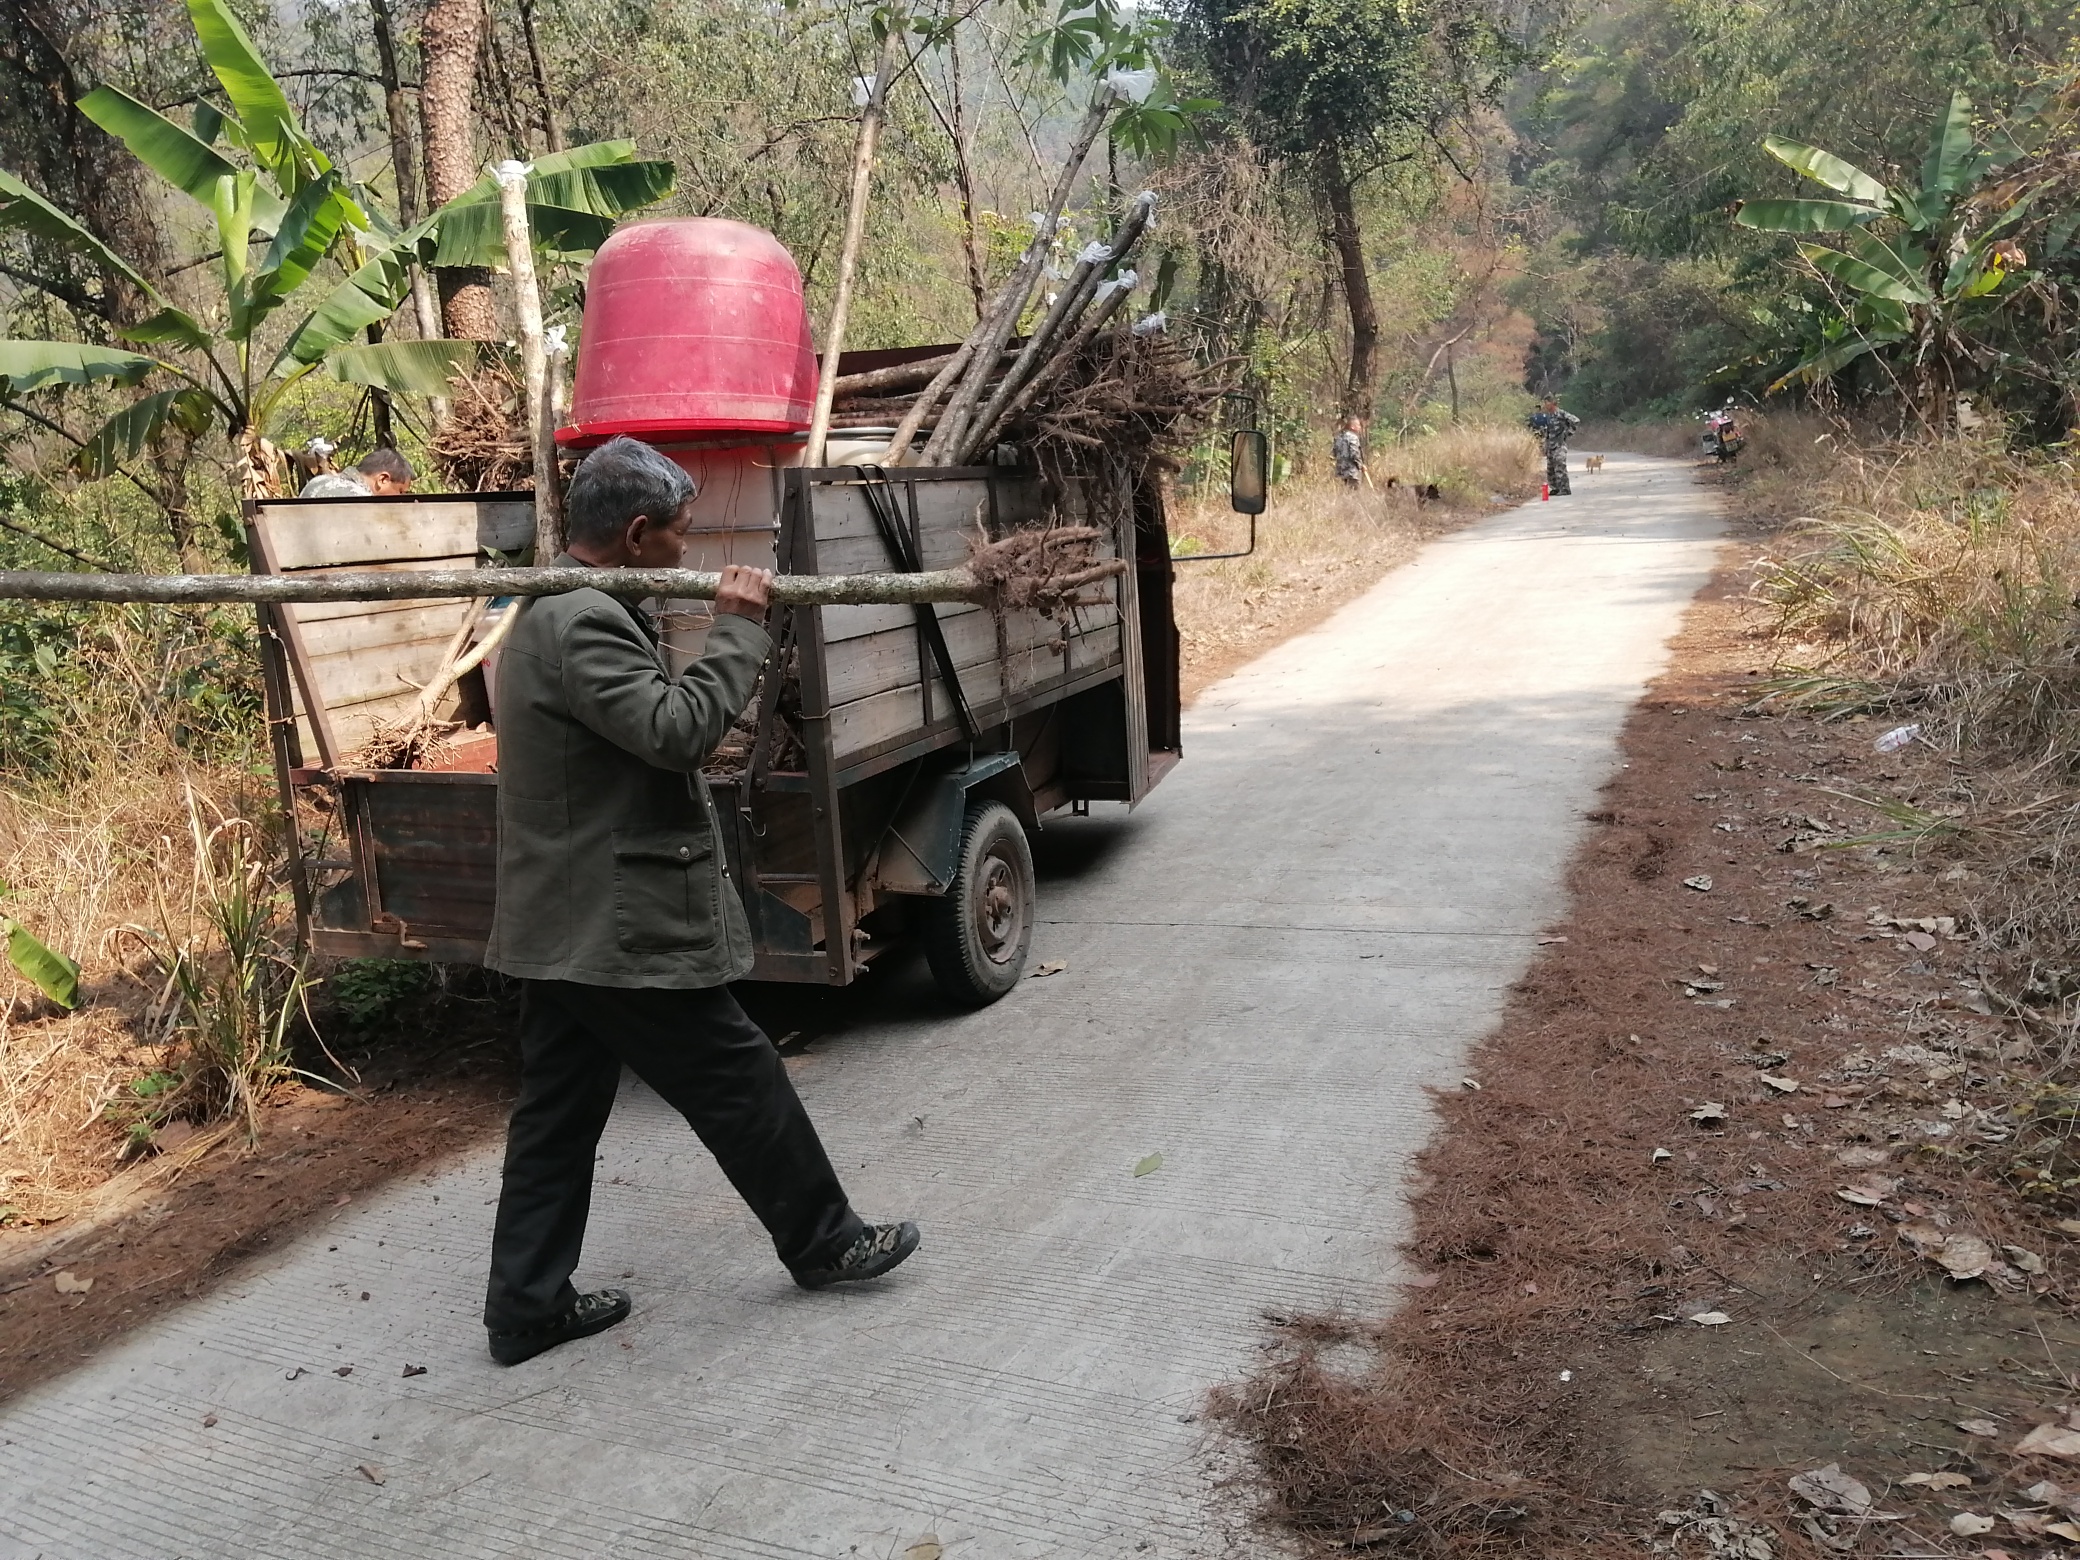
x=282 y=210
x=1911 y=277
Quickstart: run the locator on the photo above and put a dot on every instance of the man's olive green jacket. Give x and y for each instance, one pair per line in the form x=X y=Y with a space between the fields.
x=610 y=867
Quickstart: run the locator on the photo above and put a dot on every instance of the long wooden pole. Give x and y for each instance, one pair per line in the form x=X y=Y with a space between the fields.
x=180 y=590
x=855 y=231
x=534 y=360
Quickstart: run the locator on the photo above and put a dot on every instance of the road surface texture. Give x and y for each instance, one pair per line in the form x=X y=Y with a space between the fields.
x=1309 y=924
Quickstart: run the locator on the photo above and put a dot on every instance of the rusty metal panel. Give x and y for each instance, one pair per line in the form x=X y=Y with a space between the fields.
x=430 y=842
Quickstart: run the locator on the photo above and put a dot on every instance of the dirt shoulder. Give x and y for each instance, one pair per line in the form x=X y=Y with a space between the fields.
x=438 y=1082
x=1682 y=1238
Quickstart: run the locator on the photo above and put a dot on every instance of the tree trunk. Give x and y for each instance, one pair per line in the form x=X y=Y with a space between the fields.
x=964 y=173
x=397 y=115
x=495 y=83
x=403 y=164
x=448 y=43
x=552 y=137
x=1348 y=241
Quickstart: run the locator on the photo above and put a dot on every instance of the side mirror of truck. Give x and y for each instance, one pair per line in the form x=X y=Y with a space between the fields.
x=1249 y=471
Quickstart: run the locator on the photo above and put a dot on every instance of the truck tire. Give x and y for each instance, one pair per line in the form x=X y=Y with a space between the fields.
x=977 y=933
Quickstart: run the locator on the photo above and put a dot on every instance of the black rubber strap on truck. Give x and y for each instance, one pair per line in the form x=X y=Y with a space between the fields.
x=904 y=553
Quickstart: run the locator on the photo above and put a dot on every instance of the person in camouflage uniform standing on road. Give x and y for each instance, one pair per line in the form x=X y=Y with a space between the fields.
x=1554 y=428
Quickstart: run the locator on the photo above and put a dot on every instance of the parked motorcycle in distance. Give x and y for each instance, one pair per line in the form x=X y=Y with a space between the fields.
x=1722 y=436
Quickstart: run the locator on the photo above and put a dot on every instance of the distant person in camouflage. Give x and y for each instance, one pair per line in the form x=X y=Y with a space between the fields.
x=1554 y=428
x=1349 y=452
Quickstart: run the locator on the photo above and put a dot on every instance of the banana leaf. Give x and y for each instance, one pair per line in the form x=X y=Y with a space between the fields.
x=1906 y=262
x=369 y=296
x=22 y=209
x=126 y=434
x=1825 y=168
x=1852 y=272
x=187 y=163
x=1884 y=319
x=595 y=182
x=56 y=976
x=169 y=324
x=1804 y=216
x=30 y=365
x=314 y=219
x=1828 y=362
x=404 y=367
x=1948 y=164
x=266 y=125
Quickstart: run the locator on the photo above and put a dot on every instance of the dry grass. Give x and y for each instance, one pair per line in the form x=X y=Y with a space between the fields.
x=1933 y=585
x=88 y=860
x=56 y=1077
x=1321 y=543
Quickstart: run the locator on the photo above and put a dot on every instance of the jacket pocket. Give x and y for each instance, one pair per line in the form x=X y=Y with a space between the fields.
x=664 y=890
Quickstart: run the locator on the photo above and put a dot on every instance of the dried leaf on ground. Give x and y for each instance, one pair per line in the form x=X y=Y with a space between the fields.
x=1862 y=1158
x=1832 y=1490
x=1702 y=882
x=926 y=1548
x=372 y=1473
x=2052 y=1440
x=1149 y=1165
x=1969 y=1524
x=1781 y=1085
x=2024 y=1258
x=1978 y=1427
x=1709 y=1112
x=1938 y=1481
x=1051 y=967
x=1966 y=1256
x=70 y=1283
x=1711 y=1318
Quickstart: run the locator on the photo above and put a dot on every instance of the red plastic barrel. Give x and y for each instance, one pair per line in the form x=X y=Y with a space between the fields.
x=692 y=325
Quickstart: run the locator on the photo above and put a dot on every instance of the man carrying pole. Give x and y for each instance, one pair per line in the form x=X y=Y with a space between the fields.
x=616 y=911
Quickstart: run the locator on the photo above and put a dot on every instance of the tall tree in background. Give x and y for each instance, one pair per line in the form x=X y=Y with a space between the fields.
x=1345 y=89
x=448 y=45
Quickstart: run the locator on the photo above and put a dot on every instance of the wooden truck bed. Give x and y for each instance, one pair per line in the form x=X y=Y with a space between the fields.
x=836 y=809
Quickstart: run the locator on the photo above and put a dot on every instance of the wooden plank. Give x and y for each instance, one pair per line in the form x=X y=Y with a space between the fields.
x=310 y=707
x=840 y=623
x=390 y=531
x=896 y=712
x=949 y=514
x=354 y=676
x=354 y=724
x=369 y=632
x=862 y=667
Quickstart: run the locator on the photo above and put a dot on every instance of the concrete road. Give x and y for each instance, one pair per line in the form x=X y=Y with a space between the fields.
x=1310 y=923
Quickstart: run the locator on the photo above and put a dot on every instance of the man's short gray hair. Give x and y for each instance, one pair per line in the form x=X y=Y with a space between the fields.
x=621 y=479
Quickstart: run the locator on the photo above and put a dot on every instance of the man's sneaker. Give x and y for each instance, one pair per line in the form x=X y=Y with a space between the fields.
x=588 y=1314
x=879 y=1248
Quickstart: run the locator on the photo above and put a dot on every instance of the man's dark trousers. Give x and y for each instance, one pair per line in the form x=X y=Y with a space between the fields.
x=704 y=1058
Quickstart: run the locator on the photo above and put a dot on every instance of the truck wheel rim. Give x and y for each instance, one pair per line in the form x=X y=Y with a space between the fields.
x=999 y=910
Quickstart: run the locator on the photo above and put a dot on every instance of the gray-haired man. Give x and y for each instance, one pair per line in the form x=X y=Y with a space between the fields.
x=616 y=910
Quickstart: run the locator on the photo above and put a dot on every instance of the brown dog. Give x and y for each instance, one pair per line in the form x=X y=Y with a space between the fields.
x=1593 y=463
